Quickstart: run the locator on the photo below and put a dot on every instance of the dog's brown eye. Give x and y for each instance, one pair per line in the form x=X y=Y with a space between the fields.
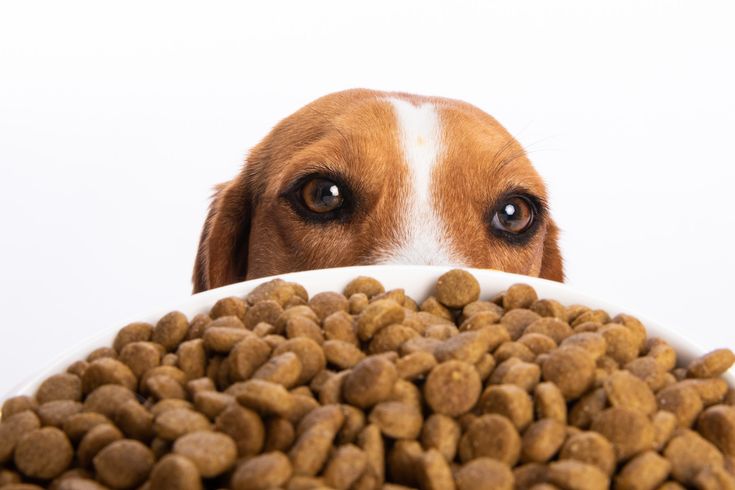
x=321 y=195
x=513 y=215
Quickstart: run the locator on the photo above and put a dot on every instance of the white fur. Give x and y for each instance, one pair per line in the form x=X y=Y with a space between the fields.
x=423 y=235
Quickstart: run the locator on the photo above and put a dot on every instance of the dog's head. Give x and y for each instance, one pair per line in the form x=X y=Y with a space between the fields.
x=365 y=177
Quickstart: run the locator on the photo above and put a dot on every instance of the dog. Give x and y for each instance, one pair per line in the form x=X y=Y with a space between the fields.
x=365 y=177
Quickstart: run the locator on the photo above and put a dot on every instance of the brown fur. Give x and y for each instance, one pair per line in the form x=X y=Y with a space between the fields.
x=354 y=133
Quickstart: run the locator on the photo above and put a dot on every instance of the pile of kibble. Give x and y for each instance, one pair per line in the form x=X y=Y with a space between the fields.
x=366 y=389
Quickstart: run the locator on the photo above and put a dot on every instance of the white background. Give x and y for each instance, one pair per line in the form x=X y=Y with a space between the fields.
x=117 y=119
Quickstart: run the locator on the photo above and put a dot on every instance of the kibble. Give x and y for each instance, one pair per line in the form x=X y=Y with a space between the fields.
x=370 y=388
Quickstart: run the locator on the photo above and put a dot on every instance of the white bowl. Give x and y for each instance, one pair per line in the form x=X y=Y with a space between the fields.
x=418 y=282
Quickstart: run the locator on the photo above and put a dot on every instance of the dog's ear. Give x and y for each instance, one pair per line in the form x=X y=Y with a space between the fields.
x=552 y=265
x=222 y=255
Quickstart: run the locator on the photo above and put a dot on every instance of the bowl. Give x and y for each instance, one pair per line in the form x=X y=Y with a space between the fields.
x=417 y=281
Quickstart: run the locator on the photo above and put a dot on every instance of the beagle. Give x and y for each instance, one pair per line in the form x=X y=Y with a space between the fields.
x=366 y=177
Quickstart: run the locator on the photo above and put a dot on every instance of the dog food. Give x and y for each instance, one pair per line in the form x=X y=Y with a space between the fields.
x=369 y=389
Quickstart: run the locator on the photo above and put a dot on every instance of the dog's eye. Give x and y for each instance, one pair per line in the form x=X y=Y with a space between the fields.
x=321 y=195
x=513 y=215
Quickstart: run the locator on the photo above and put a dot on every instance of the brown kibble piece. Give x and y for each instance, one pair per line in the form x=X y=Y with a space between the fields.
x=265 y=397
x=528 y=475
x=717 y=425
x=370 y=381
x=441 y=433
x=377 y=315
x=345 y=467
x=681 y=400
x=593 y=342
x=538 y=343
x=457 y=288
x=107 y=371
x=556 y=329
x=340 y=326
x=192 y=358
x=482 y=473
x=327 y=303
x=134 y=420
x=275 y=289
x=170 y=330
x=246 y=356
x=358 y=303
x=516 y=321
x=314 y=439
x=492 y=436
x=519 y=296
x=140 y=356
x=433 y=306
x=267 y=311
x=467 y=346
x=714 y=478
x=270 y=470
x=434 y=472
x=12 y=428
x=43 y=453
x=689 y=453
x=213 y=453
x=342 y=354
x=549 y=308
x=230 y=306
x=650 y=371
x=284 y=369
x=712 y=364
x=101 y=353
x=124 y=464
x=57 y=412
x=107 y=399
x=629 y=430
x=366 y=285
x=591 y=448
x=575 y=475
x=77 y=425
x=17 y=404
x=397 y=420
x=96 y=439
x=163 y=386
x=587 y=407
x=664 y=424
x=622 y=344
x=132 y=332
x=626 y=390
x=245 y=427
x=60 y=387
x=390 y=338
x=174 y=472
x=223 y=339
x=300 y=326
x=644 y=472
x=542 y=440
x=510 y=401
x=309 y=353
x=452 y=388
x=549 y=402
x=571 y=368
x=415 y=365
x=280 y=434
x=172 y=424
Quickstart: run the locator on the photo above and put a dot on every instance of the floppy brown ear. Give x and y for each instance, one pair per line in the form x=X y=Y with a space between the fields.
x=552 y=265
x=222 y=257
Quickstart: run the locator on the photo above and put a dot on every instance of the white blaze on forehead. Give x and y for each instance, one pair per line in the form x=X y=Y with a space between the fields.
x=423 y=238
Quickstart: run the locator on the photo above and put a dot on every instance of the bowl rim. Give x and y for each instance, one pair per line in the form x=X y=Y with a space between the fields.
x=491 y=281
